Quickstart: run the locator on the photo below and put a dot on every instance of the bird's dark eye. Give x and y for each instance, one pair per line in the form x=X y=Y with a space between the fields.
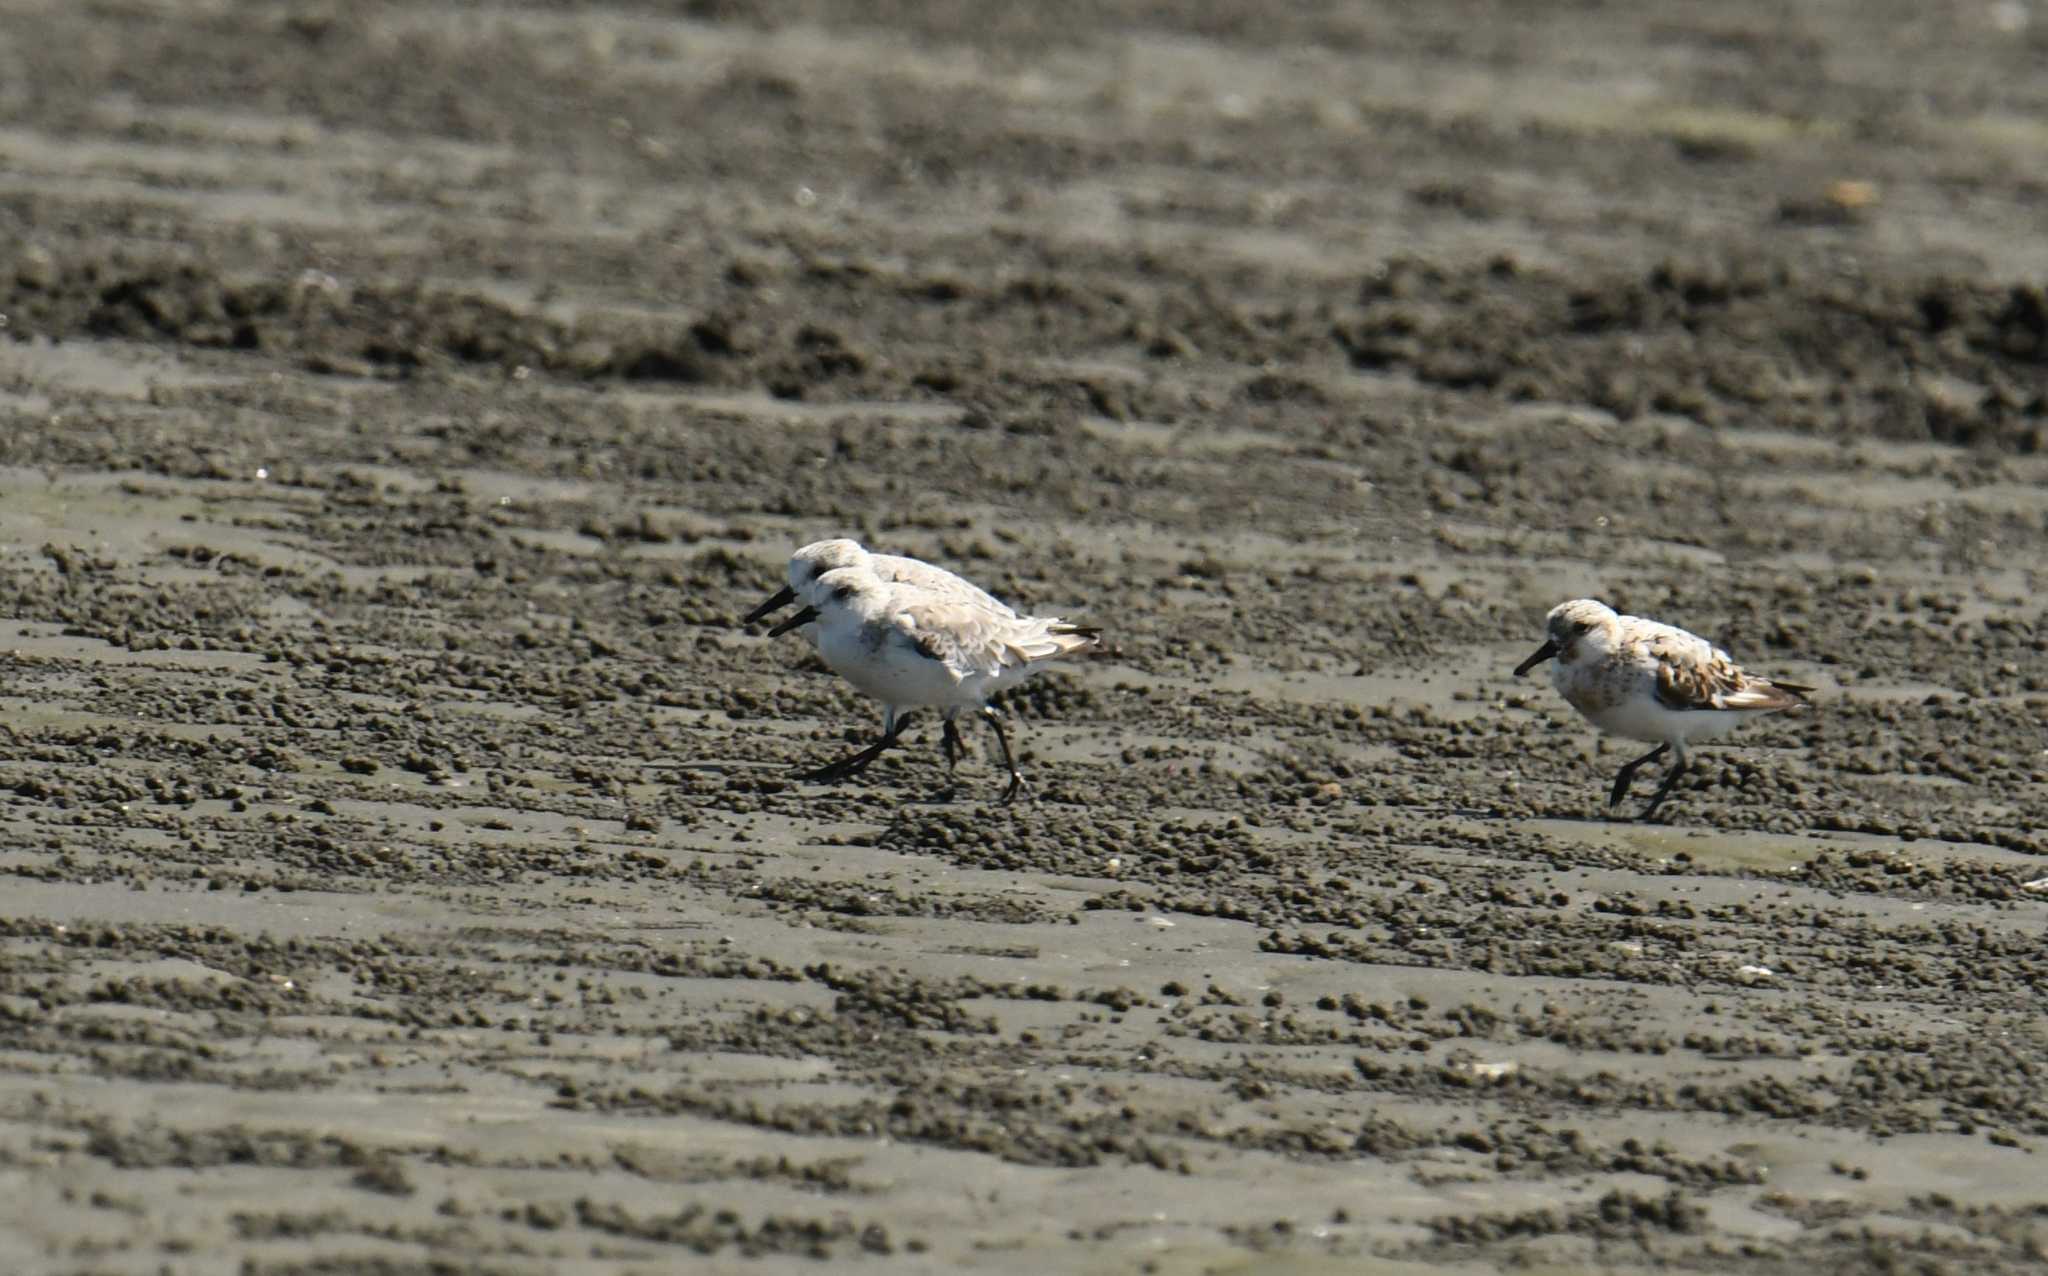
x=1582 y=627
x=843 y=593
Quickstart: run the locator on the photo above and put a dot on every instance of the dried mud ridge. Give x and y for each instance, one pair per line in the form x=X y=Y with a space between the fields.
x=404 y=867
x=1714 y=339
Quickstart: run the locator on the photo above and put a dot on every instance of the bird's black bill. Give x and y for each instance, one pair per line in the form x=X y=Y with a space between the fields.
x=798 y=621
x=1543 y=653
x=783 y=598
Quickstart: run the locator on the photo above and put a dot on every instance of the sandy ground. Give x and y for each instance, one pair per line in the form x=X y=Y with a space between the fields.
x=402 y=866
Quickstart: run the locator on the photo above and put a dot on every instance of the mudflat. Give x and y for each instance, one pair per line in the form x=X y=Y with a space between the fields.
x=403 y=865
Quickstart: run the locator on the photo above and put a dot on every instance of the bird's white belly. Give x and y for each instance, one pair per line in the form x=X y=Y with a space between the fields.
x=1640 y=717
x=892 y=673
x=986 y=685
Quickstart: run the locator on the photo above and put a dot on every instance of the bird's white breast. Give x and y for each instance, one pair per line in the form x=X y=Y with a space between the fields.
x=881 y=661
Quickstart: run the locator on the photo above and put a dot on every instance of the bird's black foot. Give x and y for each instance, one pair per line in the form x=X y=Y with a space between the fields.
x=1627 y=776
x=1017 y=784
x=1663 y=791
x=833 y=773
x=845 y=768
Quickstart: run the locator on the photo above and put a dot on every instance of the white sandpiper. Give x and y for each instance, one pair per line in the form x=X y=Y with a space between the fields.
x=1642 y=680
x=911 y=648
x=819 y=557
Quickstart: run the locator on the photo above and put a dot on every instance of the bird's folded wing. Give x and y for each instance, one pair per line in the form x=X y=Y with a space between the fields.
x=967 y=638
x=974 y=640
x=1693 y=674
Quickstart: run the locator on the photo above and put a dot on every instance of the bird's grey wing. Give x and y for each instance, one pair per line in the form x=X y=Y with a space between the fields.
x=937 y=580
x=969 y=639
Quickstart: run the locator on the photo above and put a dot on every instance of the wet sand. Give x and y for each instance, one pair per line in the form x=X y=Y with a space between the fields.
x=403 y=866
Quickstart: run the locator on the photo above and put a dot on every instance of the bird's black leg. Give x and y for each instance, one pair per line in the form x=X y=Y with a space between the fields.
x=1670 y=778
x=1628 y=775
x=1009 y=763
x=950 y=738
x=854 y=765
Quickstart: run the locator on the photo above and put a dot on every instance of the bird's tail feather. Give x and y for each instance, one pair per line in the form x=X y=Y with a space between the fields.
x=1768 y=694
x=1057 y=639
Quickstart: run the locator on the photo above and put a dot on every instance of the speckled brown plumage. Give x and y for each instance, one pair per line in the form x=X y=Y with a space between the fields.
x=1644 y=680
